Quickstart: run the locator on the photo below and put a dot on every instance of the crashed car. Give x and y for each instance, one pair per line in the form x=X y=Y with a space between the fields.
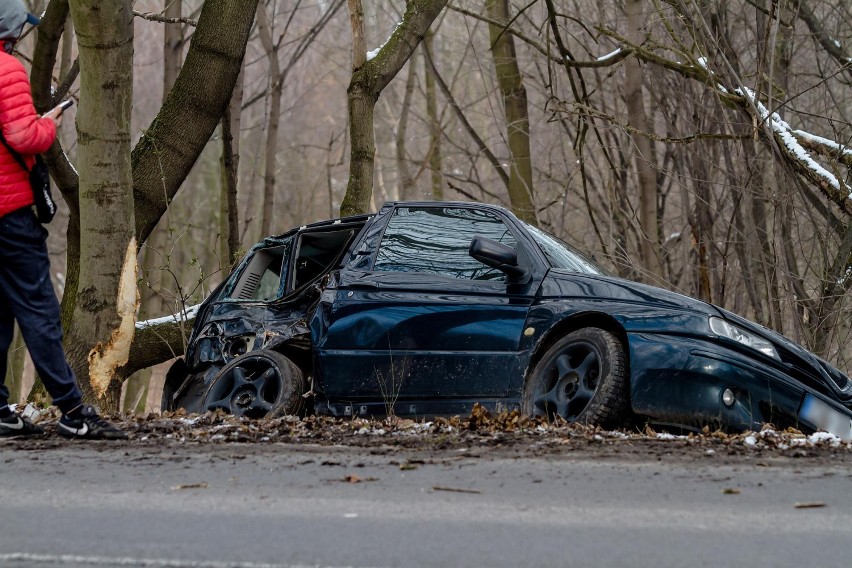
x=426 y=308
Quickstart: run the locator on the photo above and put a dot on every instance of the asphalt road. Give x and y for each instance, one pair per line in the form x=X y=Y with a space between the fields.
x=78 y=504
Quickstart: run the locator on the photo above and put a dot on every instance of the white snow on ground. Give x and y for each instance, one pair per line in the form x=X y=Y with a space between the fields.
x=372 y=54
x=186 y=314
x=818 y=437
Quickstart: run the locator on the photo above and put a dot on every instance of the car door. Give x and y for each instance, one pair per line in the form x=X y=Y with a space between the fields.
x=421 y=319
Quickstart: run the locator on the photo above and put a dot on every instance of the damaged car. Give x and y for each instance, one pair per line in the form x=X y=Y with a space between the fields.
x=427 y=308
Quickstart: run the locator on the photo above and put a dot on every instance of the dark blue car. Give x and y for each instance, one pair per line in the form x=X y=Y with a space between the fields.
x=427 y=308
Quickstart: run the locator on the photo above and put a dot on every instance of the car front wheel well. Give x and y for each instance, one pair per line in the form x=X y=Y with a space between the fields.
x=575 y=322
x=299 y=355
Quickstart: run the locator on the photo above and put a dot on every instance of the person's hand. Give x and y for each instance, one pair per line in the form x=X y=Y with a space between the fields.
x=54 y=114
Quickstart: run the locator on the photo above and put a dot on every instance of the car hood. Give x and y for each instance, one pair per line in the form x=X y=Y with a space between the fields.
x=795 y=359
x=566 y=283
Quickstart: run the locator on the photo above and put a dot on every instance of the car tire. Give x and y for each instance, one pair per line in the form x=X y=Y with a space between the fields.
x=582 y=378
x=258 y=384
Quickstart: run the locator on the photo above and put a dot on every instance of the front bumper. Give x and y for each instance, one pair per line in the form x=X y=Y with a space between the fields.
x=680 y=380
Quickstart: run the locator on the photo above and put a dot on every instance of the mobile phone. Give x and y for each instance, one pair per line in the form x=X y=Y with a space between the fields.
x=65 y=104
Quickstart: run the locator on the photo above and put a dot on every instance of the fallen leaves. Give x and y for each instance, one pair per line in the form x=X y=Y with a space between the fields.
x=481 y=429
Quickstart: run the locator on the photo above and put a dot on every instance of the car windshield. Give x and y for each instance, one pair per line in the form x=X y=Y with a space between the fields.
x=561 y=255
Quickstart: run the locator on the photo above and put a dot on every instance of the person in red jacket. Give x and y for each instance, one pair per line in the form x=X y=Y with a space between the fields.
x=26 y=293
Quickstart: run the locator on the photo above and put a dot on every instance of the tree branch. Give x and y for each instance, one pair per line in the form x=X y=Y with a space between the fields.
x=164 y=20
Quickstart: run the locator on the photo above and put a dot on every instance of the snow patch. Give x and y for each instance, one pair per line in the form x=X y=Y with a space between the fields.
x=667 y=436
x=818 y=437
x=372 y=54
x=183 y=315
x=610 y=55
x=842 y=148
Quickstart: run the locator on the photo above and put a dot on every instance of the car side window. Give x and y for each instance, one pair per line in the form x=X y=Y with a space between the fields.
x=437 y=239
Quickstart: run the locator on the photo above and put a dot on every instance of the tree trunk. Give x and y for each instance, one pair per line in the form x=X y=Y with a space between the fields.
x=102 y=328
x=434 y=120
x=369 y=78
x=514 y=95
x=267 y=204
x=405 y=182
x=230 y=164
x=644 y=159
x=173 y=40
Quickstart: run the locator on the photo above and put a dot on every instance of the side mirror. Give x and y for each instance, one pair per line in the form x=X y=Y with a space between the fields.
x=497 y=255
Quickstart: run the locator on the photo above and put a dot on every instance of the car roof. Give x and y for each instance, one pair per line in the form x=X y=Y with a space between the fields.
x=386 y=205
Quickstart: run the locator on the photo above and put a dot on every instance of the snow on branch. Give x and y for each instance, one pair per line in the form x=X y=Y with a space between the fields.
x=812 y=169
x=183 y=315
x=825 y=147
x=372 y=54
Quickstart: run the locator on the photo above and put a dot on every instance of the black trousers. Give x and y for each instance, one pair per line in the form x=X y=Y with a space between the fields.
x=26 y=295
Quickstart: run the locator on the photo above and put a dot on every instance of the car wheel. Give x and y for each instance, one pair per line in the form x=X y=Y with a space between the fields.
x=256 y=385
x=581 y=378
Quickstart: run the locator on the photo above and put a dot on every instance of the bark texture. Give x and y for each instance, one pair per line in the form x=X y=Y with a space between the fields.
x=99 y=338
x=267 y=205
x=644 y=157
x=514 y=96
x=435 y=130
x=369 y=77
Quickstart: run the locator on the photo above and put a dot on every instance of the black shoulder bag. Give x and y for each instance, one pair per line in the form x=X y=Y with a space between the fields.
x=40 y=181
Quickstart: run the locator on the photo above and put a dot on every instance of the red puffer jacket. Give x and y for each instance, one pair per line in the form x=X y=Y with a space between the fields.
x=23 y=130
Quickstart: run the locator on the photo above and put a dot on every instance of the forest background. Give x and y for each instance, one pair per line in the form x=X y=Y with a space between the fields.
x=698 y=145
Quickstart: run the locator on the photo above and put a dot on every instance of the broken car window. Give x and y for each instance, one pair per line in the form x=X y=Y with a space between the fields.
x=317 y=252
x=264 y=276
x=437 y=240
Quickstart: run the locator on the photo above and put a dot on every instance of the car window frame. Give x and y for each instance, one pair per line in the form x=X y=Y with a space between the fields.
x=234 y=278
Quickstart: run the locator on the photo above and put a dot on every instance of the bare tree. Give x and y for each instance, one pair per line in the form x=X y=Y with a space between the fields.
x=370 y=75
x=514 y=95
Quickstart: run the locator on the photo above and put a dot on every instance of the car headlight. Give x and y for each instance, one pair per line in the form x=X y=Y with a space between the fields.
x=725 y=328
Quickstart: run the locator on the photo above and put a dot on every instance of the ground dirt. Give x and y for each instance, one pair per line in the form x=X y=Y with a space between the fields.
x=506 y=435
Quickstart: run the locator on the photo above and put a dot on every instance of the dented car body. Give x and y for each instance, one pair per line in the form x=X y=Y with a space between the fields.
x=427 y=308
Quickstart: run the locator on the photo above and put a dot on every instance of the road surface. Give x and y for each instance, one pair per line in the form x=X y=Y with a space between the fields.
x=75 y=504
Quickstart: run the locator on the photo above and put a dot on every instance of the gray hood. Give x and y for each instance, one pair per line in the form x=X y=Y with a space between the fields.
x=13 y=16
